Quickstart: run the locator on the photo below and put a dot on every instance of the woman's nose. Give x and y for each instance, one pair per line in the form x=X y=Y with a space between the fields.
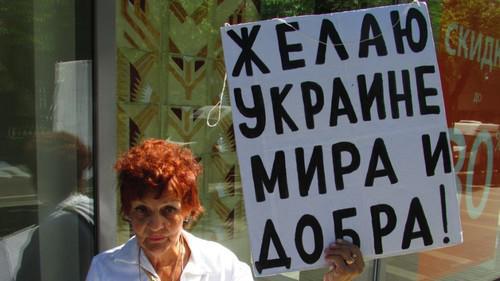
x=156 y=222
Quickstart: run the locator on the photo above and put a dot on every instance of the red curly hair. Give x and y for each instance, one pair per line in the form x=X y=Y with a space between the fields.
x=162 y=168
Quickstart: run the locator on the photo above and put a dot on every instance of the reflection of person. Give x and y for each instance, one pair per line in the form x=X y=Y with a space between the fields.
x=159 y=195
x=61 y=247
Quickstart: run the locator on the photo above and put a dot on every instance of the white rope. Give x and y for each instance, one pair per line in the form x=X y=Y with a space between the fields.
x=218 y=105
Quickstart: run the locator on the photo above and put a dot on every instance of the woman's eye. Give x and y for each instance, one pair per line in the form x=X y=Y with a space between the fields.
x=141 y=211
x=169 y=210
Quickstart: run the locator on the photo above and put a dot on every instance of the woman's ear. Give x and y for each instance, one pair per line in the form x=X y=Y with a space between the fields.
x=188 y=219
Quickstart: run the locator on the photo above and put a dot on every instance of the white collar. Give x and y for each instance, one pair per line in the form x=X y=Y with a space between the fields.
x=195 y=266
x=197 y=261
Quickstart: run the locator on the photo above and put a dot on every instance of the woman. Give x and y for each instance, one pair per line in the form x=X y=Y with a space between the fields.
x=159 y=196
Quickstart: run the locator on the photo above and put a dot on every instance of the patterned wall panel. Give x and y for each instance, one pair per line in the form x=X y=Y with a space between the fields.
x=138 y=96
x=138 y=76
x=186 y=125
x=136 y=122
x=186 y=80
x=170 y=75
x=139 y=24
x=189 y=27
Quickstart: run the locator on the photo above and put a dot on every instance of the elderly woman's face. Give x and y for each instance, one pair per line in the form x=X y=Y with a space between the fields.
x=157 y=223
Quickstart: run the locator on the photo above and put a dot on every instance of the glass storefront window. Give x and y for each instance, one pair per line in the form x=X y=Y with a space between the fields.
x=46 y=164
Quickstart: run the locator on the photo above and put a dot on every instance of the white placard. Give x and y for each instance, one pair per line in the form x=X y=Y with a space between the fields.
x=341 y=133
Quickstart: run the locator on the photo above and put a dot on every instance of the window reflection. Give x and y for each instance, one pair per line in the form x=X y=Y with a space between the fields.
x=46 y=179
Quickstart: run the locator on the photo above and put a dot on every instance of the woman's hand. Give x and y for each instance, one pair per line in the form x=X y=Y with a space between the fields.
x=345 y=261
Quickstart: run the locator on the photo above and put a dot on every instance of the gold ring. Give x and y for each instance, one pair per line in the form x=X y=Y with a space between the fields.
x=351 y=260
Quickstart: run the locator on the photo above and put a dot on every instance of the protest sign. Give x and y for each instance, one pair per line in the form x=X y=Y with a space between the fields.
x=341 y=133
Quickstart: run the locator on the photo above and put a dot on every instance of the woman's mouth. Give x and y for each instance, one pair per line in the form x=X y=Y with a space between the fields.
x=156 y=238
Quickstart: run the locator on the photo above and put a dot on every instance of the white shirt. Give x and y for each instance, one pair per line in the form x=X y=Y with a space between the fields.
x=209 y=261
